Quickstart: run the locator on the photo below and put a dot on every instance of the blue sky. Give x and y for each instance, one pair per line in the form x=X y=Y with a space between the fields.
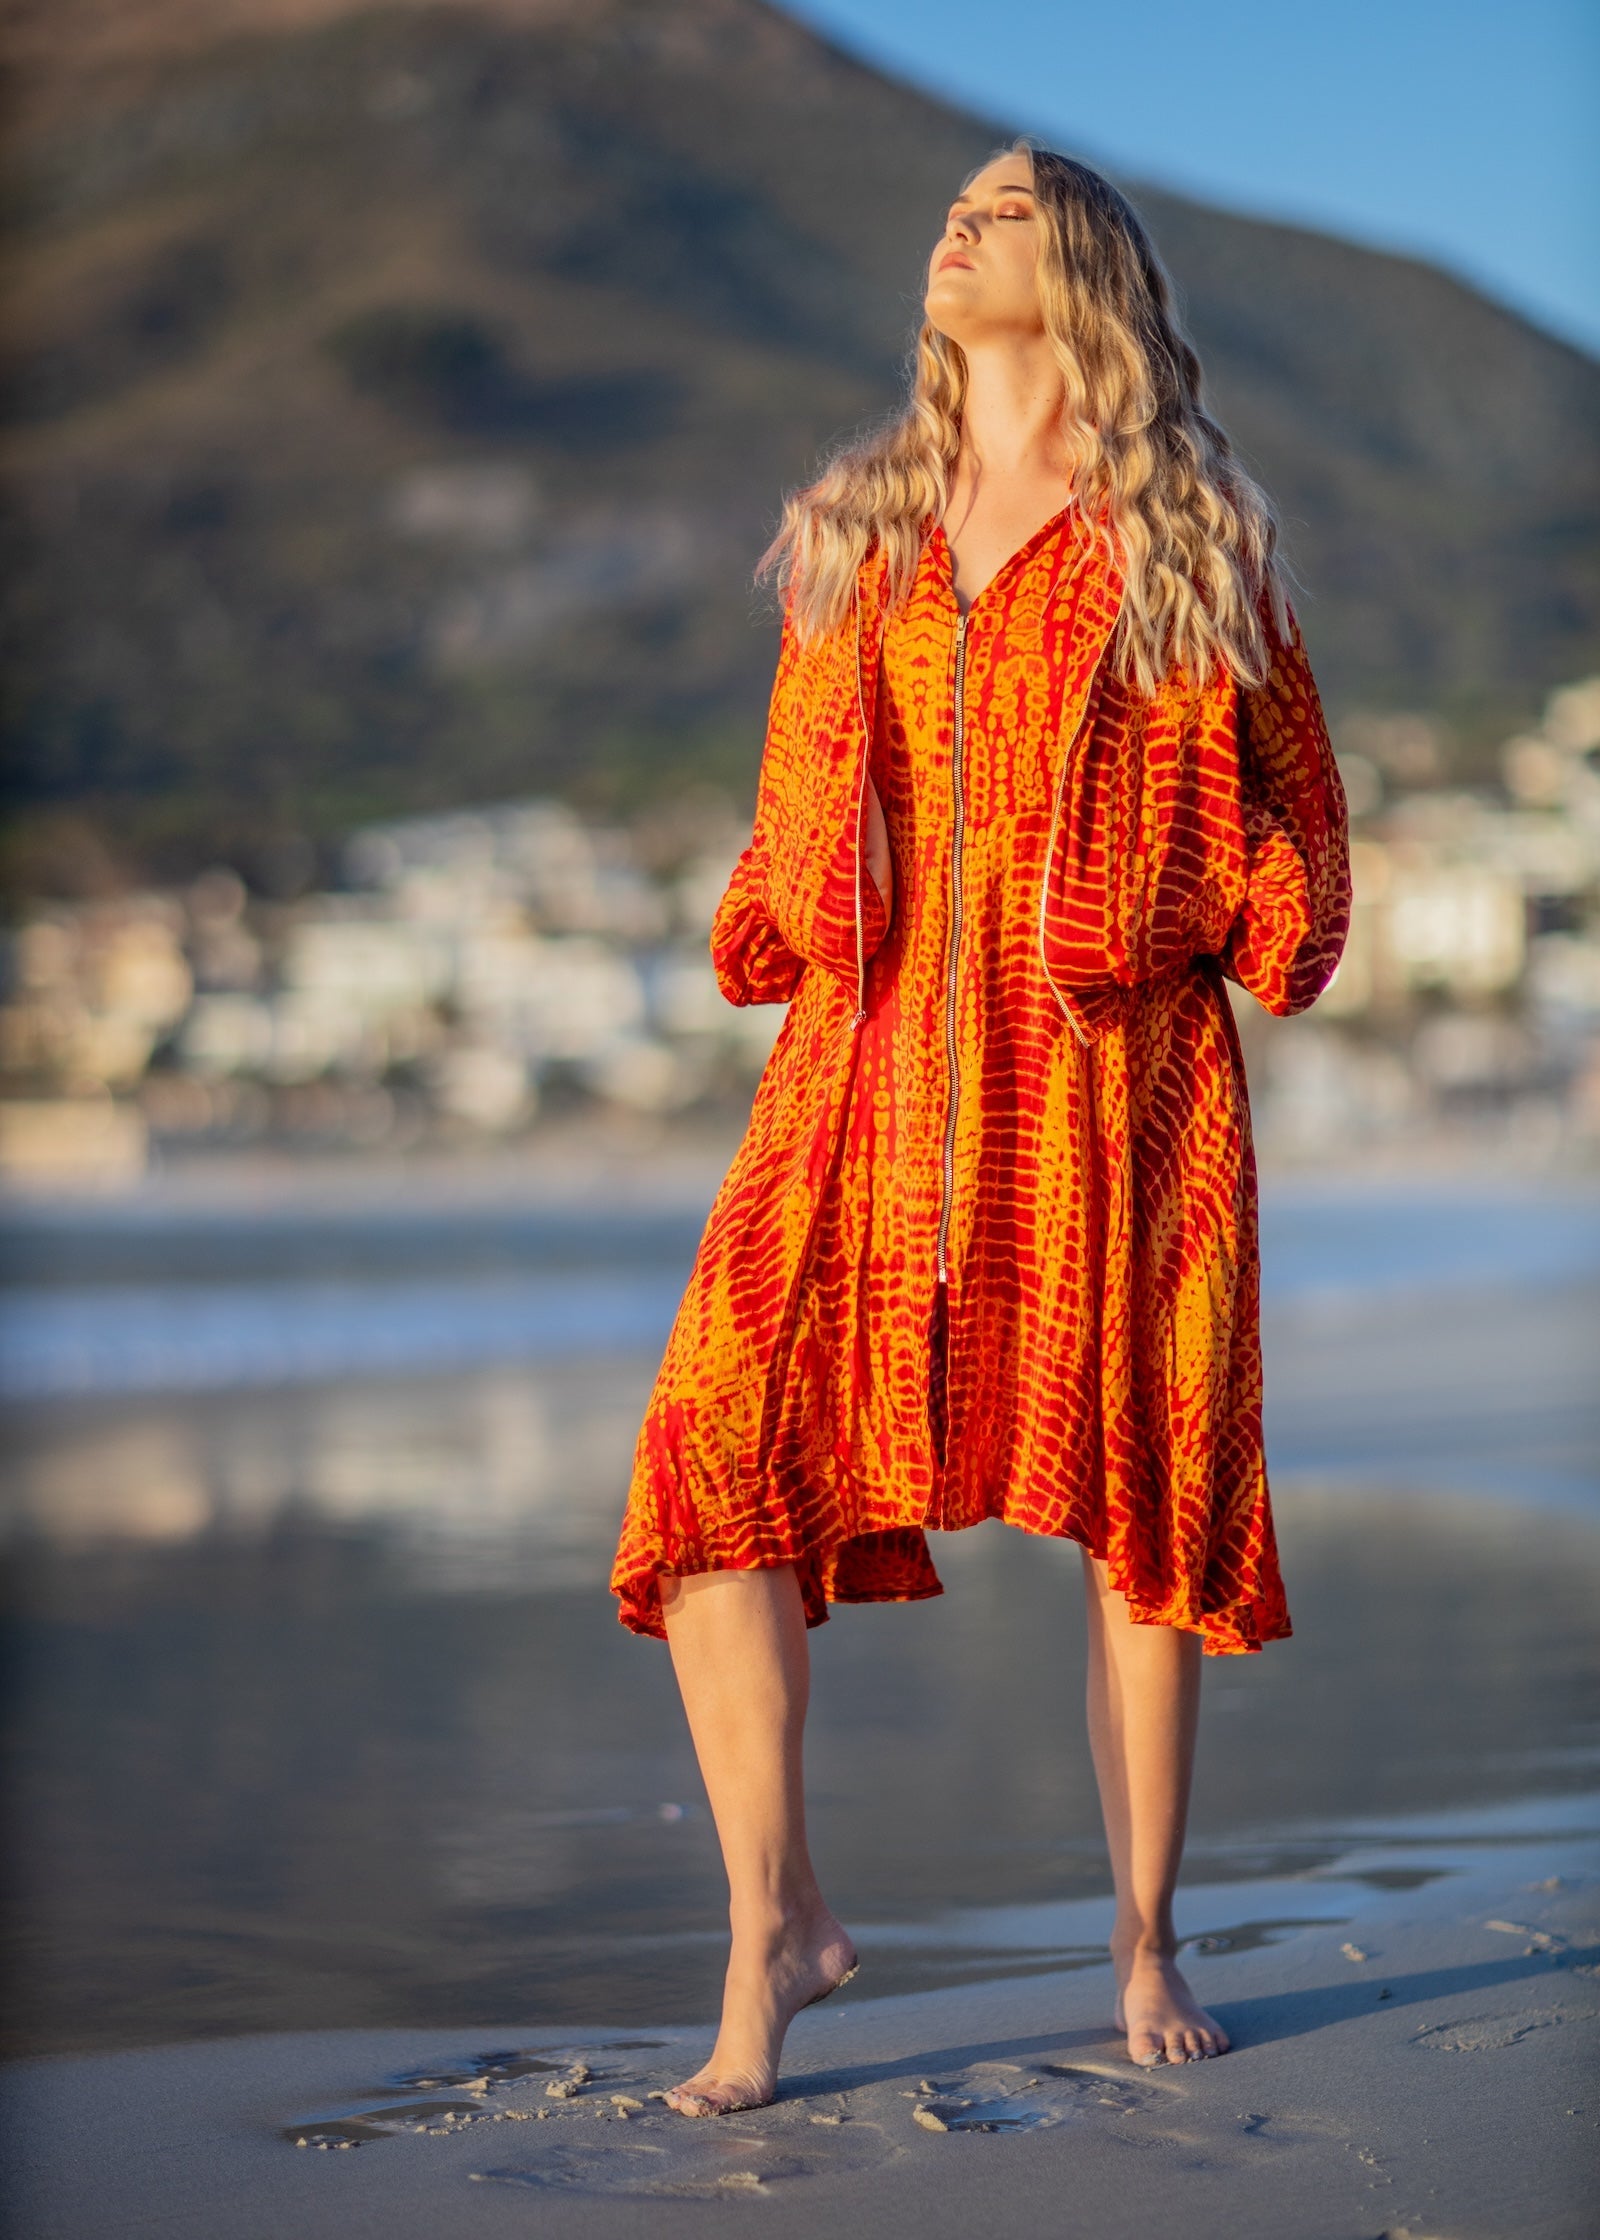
x=1465 y=132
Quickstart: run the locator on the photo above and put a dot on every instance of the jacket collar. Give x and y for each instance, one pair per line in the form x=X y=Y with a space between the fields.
x=1100 y=605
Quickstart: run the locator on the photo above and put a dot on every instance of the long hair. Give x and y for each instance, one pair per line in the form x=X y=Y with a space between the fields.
x=1193 y=535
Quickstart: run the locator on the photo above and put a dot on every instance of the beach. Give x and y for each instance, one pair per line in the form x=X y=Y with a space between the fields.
x=347 y=1815
x=1421 y=2063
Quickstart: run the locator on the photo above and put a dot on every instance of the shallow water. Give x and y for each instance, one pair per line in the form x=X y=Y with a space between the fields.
x=321 y=1717
x=130 y=1301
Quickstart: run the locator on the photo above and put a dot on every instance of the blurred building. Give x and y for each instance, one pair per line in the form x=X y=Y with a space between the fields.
x=475 y=972
x=1467 y=1003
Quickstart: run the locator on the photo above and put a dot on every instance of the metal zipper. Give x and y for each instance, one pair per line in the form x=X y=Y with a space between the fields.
x=957 y=757
x=861 y=795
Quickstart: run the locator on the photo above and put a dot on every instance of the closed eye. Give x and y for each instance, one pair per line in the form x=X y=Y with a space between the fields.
x=1002 y=213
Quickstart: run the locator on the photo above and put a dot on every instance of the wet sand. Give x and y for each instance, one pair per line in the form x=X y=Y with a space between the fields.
x=1425 y=2066
x=327 y=1743
x=346 y=1771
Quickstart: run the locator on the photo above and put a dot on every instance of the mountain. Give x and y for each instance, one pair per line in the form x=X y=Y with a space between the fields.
x=396 y=398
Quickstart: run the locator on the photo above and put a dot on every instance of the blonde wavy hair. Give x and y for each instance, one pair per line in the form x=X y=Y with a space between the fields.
x=1194 y=536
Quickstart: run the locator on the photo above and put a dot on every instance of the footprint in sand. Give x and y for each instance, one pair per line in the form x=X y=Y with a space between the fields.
x=1488 y=2033
x=435 y=2102
x=592 y=2119
x=813 y=2130
x=670 y=2156
x=1146 y=2111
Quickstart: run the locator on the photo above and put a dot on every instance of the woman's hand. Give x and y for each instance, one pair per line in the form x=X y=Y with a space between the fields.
x=879 y=861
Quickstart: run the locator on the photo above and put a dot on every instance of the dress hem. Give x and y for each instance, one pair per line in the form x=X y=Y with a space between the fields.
x=896 y=1566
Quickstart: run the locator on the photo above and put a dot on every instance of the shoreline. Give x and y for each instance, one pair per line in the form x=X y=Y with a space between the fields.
x=1416 y=2059
x=630 y=1164
x=1459 y=2107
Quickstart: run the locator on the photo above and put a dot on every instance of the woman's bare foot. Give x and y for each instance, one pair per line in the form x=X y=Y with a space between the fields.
x=1161 y=2015
x=773 y=1971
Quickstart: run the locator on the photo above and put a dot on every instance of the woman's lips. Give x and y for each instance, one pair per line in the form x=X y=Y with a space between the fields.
x=954 y=257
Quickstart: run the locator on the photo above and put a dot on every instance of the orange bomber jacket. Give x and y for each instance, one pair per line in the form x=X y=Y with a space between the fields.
x=1209 y=820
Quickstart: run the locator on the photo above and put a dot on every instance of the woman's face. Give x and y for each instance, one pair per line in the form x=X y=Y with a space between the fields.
x=983 y=274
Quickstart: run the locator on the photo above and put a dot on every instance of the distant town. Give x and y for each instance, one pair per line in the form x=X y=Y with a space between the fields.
x=476 y=973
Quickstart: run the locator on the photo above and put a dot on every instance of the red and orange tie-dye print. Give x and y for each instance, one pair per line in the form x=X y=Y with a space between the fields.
x=1030 y=1061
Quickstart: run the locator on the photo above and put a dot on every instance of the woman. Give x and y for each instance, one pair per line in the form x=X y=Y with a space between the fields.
x=1045 y=764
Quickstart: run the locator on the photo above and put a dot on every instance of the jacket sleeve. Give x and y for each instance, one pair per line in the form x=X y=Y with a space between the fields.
x=752 y=961
x=1289 y=931
x=1204 y=821
x=791 y=900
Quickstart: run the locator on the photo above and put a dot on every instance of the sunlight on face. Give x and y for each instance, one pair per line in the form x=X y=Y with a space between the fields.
x=983 y=274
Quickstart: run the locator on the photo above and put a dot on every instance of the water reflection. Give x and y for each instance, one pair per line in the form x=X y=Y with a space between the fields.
x=321 y=1716
x=505 y=1480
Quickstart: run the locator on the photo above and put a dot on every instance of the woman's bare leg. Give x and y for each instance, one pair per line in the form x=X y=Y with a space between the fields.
x=738 y=1641
x=1144 y=1706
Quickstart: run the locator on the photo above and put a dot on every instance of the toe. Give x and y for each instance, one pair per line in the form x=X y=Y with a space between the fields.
x=1146 y=2049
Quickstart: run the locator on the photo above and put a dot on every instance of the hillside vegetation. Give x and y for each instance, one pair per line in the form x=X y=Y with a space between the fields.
x=398 y=396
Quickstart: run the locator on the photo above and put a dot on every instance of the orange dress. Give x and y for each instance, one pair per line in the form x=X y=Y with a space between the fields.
x=988 y=1248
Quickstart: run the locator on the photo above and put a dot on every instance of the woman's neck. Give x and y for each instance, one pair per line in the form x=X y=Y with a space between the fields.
x=1011 y=418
